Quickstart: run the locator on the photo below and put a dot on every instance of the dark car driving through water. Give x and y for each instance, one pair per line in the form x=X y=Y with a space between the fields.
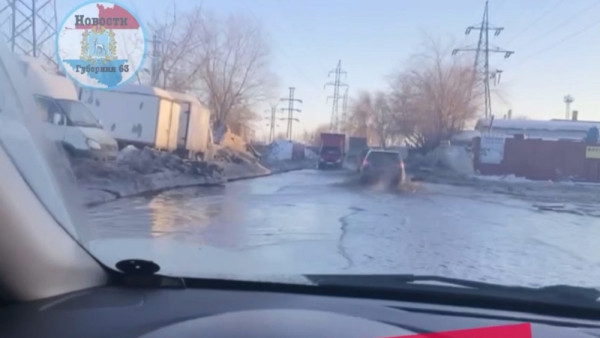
x=382 y=166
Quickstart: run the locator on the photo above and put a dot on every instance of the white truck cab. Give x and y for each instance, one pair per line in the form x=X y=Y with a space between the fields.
x=68 y=121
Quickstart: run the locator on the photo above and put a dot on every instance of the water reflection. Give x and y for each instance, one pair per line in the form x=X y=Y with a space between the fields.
x=182 y=214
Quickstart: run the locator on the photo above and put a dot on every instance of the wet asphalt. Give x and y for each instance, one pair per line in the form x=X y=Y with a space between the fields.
x=314 y=221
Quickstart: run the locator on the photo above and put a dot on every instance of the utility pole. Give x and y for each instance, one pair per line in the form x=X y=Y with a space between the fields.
x=481 y=67
x=290 y=111
x=28 y=26
x=272 y=121
x=568 y=100
x=155 y=60
x=336 y=122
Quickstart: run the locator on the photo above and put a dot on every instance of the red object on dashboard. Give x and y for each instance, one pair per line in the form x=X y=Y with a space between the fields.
x=512 y=331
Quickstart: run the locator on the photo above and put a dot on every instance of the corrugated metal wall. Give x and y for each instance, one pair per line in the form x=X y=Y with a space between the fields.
x=538 y=159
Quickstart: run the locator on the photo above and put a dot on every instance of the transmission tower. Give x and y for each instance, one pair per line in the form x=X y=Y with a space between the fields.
x=29 y=27
x=336 y=121
x=481 y=67
x=290 y=110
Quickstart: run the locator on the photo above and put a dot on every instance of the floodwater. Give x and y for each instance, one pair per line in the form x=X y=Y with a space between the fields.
x=324 y=222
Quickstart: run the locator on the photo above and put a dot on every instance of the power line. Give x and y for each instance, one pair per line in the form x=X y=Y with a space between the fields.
x=481 y=66
x=290 y=110
x=336 y=123
x=564 y=23
x=536 y=20
x=557 y=43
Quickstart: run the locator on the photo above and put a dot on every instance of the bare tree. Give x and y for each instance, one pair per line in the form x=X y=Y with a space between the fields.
x=178 y=52
x=235 y=68
x=435 y=97
x=313 y=138
x=240 y=117
x=371 y=116
x=358 y=122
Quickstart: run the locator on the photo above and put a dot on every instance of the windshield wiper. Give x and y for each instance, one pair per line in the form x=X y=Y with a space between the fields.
x=555 y=294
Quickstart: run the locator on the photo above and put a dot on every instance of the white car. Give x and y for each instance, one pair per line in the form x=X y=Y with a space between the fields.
x=67 y=120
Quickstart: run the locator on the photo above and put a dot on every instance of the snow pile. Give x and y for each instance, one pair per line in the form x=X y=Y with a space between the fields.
x=239 y=164
x=280 y=150
x=505 y=178
x=138 y=171
x=454 y=159
x=310 y=154
x=457 y=159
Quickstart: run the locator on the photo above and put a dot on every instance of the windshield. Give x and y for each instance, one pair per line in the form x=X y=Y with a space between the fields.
x=330 y=151
x=383 y=158
x=78 y=114
x=497 y=160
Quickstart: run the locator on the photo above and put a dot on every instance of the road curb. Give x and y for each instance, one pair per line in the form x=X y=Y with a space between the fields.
x=271 y=173
x=150 y=192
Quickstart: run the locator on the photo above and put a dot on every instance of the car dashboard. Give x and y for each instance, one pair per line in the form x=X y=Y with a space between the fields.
x=193 y=312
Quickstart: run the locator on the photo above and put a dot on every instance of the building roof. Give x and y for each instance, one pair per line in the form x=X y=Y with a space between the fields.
x=145 y=90
x=551 y=125
x=185 y=97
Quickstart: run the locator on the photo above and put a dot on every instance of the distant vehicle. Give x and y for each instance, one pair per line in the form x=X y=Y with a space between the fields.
x=148 y=116
x=360 y=158
x=332 y=150
x=382 y=166
x=68 y=121
x=356 y=145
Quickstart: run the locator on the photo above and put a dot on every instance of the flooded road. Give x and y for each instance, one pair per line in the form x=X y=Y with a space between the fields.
x=323 y=222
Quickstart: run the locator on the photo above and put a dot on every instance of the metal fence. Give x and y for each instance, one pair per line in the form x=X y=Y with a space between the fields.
x=539 y=159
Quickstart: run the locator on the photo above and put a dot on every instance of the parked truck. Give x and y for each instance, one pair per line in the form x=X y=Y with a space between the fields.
x=194 y=137
x=356 y=145
x=66 y=120
x=332 y=150
x=149 y=116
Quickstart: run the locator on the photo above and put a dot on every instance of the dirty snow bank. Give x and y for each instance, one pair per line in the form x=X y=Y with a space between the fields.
x=139 y=171
x=279 y=150
x=283 y=150
x=456 y=159
x=239 y=164
x=279 y=156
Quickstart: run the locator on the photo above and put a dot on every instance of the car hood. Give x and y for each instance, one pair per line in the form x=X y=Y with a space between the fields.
x=99 y=135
